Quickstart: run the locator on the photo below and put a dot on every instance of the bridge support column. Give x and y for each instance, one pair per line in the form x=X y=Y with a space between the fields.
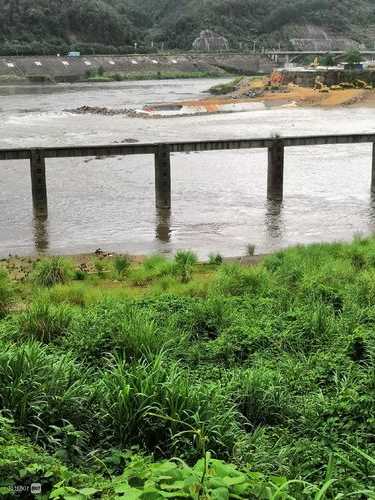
x=163 y=177
x=373 y=169
x=275 y=179
x=38 y=183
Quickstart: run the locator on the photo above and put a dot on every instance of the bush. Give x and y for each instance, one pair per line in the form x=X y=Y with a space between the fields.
x=49 y=272
x=100 y=267
x=6 y=293
x=185 y=261
x=215 y=259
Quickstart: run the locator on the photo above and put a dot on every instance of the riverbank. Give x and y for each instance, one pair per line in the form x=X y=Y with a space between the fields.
x=20 y=267
x=173 y=376
x=241 y=93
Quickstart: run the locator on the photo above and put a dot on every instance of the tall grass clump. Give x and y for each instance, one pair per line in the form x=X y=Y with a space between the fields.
x=75 y=294
x=234 y=279
x=215 y=259
x=6 y=293
x=49 y=272
x=153 y=268
x=185 y=261
x=156 y=404
x=100 y=267
x=40 y=389
x=260 y=395
x=116 y=327
x=45 y=322
x=121 y=265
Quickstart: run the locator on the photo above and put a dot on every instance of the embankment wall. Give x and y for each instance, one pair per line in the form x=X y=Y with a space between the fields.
x=75 y=68
x=328 y=77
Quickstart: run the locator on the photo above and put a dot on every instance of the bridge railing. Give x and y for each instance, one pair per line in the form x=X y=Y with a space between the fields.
x=162 y=154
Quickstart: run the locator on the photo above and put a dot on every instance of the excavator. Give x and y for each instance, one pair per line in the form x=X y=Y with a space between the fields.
x=319 y=85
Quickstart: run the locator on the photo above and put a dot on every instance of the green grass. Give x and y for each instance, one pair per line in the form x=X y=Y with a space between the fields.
x=205 y=381
x=6 y=293
x=225 y=88
x=157 y=75
x=52 y=271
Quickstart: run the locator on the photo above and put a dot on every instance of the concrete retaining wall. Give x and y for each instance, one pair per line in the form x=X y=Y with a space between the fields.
x=75 y=68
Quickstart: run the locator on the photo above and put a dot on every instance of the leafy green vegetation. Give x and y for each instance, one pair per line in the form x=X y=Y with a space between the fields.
x=191 y=380
x=159 y=75
x=225 y=88
x=353 y=56
x=6 y=293
x=125 y=26
x=52 y=271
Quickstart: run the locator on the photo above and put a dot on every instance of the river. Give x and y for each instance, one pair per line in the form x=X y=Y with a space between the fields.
x=218 y=198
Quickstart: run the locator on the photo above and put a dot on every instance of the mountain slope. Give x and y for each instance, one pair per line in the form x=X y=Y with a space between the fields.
x=49 y=25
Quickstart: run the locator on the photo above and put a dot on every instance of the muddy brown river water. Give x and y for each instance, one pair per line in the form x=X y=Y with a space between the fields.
x=219 y=198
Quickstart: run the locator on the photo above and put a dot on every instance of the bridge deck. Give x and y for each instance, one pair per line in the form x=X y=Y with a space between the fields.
x=183 y=146
x=162 y=152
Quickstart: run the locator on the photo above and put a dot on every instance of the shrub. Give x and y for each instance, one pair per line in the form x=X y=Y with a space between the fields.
x=121 y=265
x=215 y=259
x=185 y=261
x=238 y=343
x=100 y=267
x=80 y=275
x=49 y=272
x=45 y=322
x=6 y=293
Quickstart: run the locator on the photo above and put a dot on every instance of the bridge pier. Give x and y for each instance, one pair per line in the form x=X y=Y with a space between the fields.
x=163 y=176
x=275 y=178
x=38 y=183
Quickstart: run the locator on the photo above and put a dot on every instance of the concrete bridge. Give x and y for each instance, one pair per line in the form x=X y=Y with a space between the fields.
x=162 y=154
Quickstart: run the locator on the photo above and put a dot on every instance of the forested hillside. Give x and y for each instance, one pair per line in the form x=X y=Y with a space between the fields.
x=49 y=26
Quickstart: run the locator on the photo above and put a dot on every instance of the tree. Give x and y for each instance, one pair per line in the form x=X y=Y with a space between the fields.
x=327 y=60
x=352 y=56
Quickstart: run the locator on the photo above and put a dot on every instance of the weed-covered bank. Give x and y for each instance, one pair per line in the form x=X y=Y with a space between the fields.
x=174 y=379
